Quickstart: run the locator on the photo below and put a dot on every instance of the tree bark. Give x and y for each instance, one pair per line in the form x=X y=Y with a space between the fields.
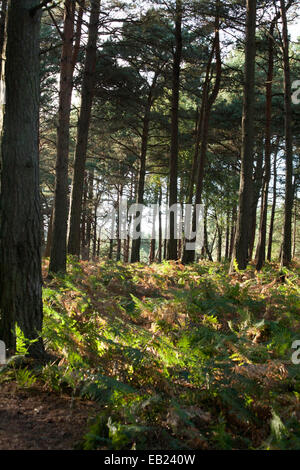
x=295 y=230
x=227 y=236
x=3 y=16
x=2 y=33
x=79 y=23
x=173 y=162
x=256 y=192
x=205 y=252
x=20 y=229
x=240 y=252
x=153 y=238
x=219 y=248
x=272 y=218
x=49 y=236
x=207 y=103
x=88 y=215
x=136 y=243
x=261 y=247
x=60 y=218
x=286 y=252
x=84 y=212
x=87 y=94
x=233 y=229
x=199 y=122
x=119 y=242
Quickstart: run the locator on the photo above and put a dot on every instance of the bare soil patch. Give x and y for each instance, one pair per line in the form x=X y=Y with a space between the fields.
x=35 y=419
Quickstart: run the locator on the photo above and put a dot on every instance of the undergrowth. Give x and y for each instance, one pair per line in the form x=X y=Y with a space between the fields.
x=177 y=357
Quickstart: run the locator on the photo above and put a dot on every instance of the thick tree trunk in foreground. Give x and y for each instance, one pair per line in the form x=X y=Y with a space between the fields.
x=173 y=164
x=240 y=252
x=87 y=94
x=20 y=229
x=286 y=252
x=60 y=218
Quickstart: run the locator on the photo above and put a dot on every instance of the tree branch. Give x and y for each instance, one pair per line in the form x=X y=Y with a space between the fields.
x=38 y=7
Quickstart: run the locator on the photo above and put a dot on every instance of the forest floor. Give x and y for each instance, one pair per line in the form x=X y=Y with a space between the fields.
x=36 y=419
x=160 y=357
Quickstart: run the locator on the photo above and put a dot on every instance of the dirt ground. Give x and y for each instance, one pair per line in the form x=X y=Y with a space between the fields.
x=39 y=420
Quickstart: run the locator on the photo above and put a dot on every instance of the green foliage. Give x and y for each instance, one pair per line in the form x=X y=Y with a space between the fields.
x=194 y=367
x=25 y=378
x=220 y=436
x=22 y=343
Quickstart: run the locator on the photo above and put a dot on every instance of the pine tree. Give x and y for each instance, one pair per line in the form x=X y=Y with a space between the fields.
x=20 y=227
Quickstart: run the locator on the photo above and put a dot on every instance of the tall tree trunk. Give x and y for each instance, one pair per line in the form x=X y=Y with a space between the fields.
x=126 y=249
x=286 y=252
x=256 y=192
x=84 y=215
x=233 y=229
x=60 y=218
x=95 y=230
x=2 y=31
x=79 y=23
x=89 y=215
x=165 y=251
x=173 y=163
x=219 y=247
x=227 y=235
x=261 y=247
x=136 y=243
x=207 y=103
x=3 y=16
x=87 y=94
x=119 y=243
x=295 y=230
x=199 y=122
x=49 y=236
x=272 y=218
x=111 y=249
x=20 y=229
x=99 y=245
x=153 y=236
x=211 y=249
x=240 y=252
x=206 y=252
x=152 y=250
x=129 y=218
x=159 y=251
